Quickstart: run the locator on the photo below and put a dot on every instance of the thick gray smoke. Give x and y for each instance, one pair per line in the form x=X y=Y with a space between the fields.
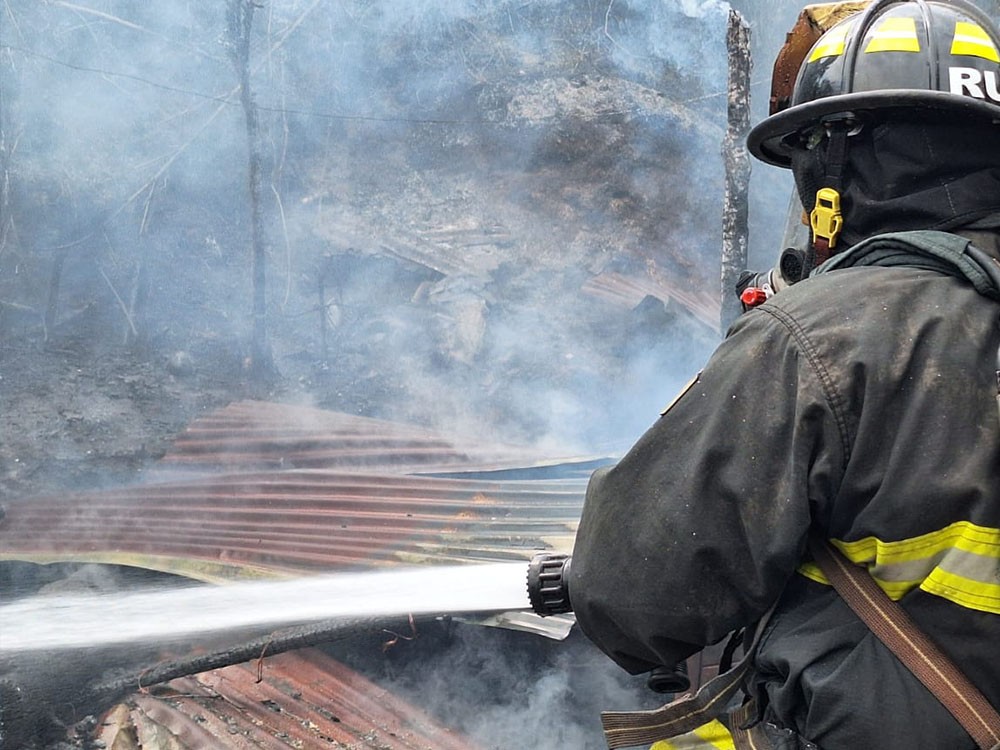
x=463 y=203
x=508 y=690
x=452 y=195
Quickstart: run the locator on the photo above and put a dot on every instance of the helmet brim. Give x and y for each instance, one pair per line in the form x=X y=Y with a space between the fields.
x=771 y=142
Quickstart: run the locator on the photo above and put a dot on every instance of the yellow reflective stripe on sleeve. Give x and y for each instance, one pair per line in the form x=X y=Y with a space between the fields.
x=972 y=40
x=964 y=535
x=811 y=571
x=960 y=563
x=832 y=43
x=894 y=35
x=710 y=736
x=982 y=596
x=896 y=590
x=716 y=735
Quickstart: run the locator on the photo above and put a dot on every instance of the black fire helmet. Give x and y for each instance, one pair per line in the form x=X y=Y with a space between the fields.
x=909 y=60
x=893 y=123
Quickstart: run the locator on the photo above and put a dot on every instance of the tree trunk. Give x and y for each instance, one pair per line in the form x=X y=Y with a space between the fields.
x=55 y=279
x=240 y=19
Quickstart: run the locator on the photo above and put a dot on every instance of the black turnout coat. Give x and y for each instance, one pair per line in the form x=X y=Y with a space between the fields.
x=862 y=403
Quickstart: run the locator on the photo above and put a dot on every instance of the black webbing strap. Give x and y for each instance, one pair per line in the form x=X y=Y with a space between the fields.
x=890 y=623
x=634 y=728
x=747 y=733
x=836 y=154
x=836 y=157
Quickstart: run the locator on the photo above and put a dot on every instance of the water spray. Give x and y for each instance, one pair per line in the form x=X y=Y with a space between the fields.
x=128 y=628
x=65 y=657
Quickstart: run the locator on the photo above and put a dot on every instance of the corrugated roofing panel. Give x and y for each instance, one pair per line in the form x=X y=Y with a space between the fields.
x=386 y=494
x=301 y=699
x=259 y=434
x=282 y=523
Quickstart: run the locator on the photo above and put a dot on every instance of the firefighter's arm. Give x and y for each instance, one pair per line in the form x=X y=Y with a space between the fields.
x=694 y=533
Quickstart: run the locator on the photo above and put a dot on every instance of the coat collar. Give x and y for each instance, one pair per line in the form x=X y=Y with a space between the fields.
x=944 y=252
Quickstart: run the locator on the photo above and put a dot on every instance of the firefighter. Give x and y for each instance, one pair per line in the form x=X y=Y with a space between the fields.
x=859 y=405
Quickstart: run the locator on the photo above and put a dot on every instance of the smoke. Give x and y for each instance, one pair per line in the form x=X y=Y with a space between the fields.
x=508 y=690
x=441 y=179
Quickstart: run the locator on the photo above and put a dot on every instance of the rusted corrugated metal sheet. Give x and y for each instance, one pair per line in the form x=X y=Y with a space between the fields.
x=259 y=434
x=301 y=699
x=385 y=494
x=284 y=522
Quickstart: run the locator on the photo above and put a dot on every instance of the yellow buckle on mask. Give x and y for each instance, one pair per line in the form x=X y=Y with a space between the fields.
x=825 y=219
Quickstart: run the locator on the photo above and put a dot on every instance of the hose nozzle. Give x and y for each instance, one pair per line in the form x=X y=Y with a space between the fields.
x=548 y=584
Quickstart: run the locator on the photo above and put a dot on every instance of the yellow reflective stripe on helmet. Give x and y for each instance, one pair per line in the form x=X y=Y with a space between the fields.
x=972 y=40
x=710 y=736
x=894 y=35
x=960 y=563
x=832 y=43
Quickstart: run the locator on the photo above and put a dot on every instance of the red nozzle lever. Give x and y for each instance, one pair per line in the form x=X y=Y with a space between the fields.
x=753 y=296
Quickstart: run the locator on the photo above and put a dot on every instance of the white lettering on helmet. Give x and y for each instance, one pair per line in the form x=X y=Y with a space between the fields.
x=966 y=82
x=982 y=84
x=991 y=86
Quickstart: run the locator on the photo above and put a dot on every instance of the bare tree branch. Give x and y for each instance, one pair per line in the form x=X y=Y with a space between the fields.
x=99 y=14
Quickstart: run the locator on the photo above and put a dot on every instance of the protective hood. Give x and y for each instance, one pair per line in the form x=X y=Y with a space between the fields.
x=903 y=176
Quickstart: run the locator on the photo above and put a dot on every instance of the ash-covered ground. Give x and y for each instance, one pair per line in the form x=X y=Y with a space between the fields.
x=76 y=416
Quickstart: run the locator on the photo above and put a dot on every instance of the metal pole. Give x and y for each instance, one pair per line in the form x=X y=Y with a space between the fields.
x=737 y=163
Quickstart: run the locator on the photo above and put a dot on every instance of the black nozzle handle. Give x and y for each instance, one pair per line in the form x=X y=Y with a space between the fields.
x=669 y=679
x=548 y=584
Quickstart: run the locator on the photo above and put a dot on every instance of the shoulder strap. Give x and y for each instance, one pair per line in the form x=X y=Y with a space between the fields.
x=643 y=728
x=892 y=625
